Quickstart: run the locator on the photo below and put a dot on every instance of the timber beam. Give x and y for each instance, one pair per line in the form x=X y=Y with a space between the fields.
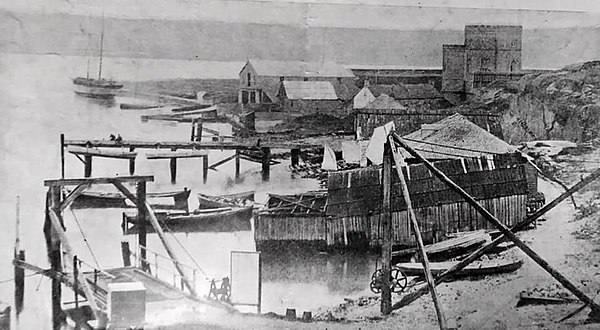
x=505 y=230
x=248 y=144
x=101 y=180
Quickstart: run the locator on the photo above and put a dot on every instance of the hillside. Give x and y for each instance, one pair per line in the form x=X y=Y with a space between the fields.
x=236 y=41
x=564 y=104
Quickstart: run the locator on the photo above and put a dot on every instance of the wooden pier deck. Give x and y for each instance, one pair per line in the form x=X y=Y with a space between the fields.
x=156 y=289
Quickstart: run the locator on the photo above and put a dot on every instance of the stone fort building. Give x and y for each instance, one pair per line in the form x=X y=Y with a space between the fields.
x=489 y=53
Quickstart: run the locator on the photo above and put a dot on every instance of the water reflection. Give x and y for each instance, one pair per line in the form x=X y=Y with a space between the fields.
x=312 y=280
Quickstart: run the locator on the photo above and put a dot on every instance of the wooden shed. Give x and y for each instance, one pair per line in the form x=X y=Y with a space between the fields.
x=298 y=219
x=500 y=185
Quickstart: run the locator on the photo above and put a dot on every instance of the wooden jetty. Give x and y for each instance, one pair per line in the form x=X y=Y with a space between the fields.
x=250 y=150
x=94 y=284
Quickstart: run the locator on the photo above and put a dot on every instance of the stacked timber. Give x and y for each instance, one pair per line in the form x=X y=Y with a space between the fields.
x=477 y=268
x=447 y=249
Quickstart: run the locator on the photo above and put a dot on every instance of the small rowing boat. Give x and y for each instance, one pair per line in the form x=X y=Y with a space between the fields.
x=133 y=106
x=227 y=219
x=229 y=200
x=101 y=199
x=477 y=268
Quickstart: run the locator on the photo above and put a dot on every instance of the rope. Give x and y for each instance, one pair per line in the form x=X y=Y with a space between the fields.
x=12 y=279
x=85 y=239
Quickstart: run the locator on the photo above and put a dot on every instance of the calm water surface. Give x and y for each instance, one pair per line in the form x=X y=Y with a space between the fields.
x=38 y=104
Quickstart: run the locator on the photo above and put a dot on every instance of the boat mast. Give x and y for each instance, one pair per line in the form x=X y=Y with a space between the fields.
x=101 y=47
x=87 y=54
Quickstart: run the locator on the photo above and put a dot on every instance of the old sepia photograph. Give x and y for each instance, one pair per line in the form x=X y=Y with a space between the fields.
x=299 y=164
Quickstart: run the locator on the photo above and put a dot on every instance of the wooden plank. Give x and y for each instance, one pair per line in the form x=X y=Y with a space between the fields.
x=505 y=230
x=72 y=196
x=247 y=144
x=169 y=154
x=121 y=154
x=99 y=180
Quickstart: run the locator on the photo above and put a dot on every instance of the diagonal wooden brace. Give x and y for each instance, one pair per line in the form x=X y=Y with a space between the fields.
x=500 y=226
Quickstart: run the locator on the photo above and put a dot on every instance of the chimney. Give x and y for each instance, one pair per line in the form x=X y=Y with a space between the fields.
x=366 y=83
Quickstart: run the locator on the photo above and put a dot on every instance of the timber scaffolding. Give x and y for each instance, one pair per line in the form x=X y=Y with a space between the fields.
x=393 y=157
x=91 y=282
x=349 y=214
x=245 y=149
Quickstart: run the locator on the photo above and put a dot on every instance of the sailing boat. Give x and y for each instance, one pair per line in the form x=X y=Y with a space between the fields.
x=96 y=88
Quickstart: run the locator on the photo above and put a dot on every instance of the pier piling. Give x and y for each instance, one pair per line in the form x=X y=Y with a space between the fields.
x=386 y=226
x=295 y=157
x=62 y=155
x=132 y=163
x=173 y=164
x=266 y=163
x=237 y=165
x=87 y=171
x=19 y=283
x=204 y=169
x=141 y=219
x=126 y=254
x=55 y=254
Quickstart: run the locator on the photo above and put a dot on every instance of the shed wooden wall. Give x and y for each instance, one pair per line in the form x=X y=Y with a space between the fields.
x=277 y=227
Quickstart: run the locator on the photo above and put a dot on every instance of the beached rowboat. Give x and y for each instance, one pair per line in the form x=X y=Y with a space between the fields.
x=477 y=268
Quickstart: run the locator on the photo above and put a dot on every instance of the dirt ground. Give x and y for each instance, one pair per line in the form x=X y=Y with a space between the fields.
x=568 y=241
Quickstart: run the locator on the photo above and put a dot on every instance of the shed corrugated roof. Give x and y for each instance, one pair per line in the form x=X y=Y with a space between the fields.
x=309 y=90
x=456 y=137
x=299 y=69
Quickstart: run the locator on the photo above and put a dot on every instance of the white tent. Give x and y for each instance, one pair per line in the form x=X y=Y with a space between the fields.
x=375 y=149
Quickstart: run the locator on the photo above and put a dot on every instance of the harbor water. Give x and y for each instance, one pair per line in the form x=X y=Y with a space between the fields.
x=37 y=104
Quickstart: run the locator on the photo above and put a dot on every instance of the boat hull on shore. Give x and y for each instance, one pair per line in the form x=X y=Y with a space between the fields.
x=477 y=268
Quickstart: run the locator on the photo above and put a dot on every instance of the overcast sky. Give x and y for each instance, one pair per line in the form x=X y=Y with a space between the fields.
x=393 y=14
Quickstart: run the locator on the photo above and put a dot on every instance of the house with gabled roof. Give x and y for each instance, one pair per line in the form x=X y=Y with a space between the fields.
x=260 y=80
x=309 y=97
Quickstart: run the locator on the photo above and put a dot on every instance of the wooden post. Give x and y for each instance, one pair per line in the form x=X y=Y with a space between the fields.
x=192 y=137
x=266 y=163
x=409 y=298
x=295 y=157
x=420 y=245
x=87 y=171
x=58 y=317
x=505 y=230
x=19 y=283
x=141 y=222
x=259 y=308
x=199 y=130
x=237 y=165
x=204 y=169
x=62 y=156
x=131 y=163
x=173 y=164
x=75 y=275
x=386 y=226
x=126 y=254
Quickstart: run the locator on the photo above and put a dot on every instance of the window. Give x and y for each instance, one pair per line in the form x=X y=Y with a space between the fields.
x=291 y=104
x=249 y=79
x=339 y=80
x=305 y=79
